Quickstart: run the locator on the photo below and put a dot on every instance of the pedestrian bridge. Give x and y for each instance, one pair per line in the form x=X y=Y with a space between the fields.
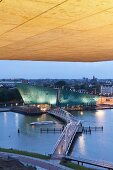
x=67 y=136
x=82 y=161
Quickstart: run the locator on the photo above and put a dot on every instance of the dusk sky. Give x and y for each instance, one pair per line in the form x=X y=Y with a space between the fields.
x=36 y=69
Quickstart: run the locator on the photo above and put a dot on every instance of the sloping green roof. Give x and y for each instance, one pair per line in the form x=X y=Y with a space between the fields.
x=45 y=95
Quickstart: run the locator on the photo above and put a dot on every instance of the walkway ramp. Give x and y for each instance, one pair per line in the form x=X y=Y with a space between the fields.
x=62 y=114
x=65 y=140
x=67 y=136
x=101 y=164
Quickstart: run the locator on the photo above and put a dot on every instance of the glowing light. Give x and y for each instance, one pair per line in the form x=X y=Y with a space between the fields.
x=44 y=95
x=59 y=151
x=100 y=114
x=81 y=112
x=43 y=109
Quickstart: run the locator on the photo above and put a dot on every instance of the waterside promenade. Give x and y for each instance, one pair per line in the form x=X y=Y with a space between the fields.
x=7 y=109
x=34 y=110
x=45 y=165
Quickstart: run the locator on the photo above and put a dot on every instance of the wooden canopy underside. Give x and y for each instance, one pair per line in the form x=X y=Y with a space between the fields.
x=56 y=30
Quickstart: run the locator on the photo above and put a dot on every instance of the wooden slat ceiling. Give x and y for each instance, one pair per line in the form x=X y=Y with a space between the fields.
x=56 y=30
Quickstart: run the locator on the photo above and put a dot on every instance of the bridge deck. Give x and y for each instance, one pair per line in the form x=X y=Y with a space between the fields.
x=62 y=114
x=66 y=138
x=101 y=164
x=63 y=144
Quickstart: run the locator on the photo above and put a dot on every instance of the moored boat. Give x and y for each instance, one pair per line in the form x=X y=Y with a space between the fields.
x=42 y=123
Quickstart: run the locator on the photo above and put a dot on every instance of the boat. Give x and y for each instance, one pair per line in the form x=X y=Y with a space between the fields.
x=42 y=123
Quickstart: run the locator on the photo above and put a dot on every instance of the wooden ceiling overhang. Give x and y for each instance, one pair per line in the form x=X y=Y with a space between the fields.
x=56 y=30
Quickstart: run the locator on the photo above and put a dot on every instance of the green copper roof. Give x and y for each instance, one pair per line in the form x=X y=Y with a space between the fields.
x=43 y=95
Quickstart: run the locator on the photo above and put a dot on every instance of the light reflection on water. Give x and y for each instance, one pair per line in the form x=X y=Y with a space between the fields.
x=97 y=145
x=30 y=138
x=5 y=117
x=82 y=145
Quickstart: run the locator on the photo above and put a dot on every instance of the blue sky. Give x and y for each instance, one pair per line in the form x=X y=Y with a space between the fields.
x=36 y=69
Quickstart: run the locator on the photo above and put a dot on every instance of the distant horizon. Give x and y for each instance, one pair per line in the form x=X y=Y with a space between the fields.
x=14 y=69
x=55 y=78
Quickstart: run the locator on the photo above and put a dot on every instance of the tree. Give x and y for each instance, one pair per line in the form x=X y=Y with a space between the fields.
x=60 y=84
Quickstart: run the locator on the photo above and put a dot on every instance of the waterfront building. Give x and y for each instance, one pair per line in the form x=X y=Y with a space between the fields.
x=45 y=95
x=106 y=90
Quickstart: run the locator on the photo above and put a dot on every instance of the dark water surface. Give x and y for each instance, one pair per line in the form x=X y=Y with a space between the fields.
x=97 y=145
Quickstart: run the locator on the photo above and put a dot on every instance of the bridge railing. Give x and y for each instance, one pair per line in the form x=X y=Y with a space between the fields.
x=103 y=164
x=63 y=114
x=69 y=131
x=61 y=136
x=75 y=131
x=68 y=137
x=59 y=139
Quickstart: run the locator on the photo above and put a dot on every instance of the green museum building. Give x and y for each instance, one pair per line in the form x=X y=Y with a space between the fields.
x=45 y=95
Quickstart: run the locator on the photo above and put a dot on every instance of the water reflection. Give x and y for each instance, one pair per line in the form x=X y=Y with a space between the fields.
x=5 y=117
x=16 y=120
x=82 y=145
x=42 y=117
x=100 y=114
x=97 y=145
x=30 y=138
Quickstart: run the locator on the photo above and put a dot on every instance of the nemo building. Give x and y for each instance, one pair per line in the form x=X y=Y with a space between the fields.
x=45 y=95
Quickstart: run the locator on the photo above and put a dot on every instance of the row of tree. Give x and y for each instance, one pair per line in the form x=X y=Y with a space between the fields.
x=8 y=95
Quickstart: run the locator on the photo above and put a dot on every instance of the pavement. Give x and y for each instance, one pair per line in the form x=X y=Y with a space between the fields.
x=46 y=165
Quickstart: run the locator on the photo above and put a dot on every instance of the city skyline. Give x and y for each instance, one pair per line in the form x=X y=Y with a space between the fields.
x=55 y=70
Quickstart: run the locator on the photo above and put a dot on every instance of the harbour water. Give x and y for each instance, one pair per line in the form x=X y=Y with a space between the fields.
x=29 y=138
x=97 y=145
